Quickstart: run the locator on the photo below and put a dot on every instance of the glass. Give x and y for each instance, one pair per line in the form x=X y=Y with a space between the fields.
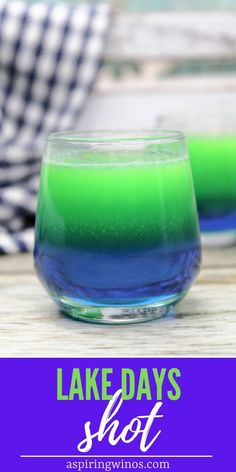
x=211 y=140
x=117 y=236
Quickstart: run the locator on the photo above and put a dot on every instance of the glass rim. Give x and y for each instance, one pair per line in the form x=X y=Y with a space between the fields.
x=116 y=136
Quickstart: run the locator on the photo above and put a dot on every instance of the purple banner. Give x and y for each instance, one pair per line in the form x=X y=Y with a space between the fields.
x=117 y=414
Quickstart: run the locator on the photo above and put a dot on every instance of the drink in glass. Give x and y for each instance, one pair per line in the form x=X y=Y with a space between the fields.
x=117 y=236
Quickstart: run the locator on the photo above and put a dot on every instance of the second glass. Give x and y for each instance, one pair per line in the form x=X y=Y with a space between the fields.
x=117 y=236
x=211 y=139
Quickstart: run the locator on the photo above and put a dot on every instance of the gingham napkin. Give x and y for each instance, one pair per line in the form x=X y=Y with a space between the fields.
x=49 y=59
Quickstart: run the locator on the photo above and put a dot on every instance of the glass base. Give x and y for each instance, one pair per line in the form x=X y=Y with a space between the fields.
x=118 y=314
x=220 y=239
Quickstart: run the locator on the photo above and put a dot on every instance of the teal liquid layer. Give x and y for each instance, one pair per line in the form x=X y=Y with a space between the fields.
x=117 y=234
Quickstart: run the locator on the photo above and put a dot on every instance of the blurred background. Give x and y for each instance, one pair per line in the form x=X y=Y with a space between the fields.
x=157 y=4
x=164 y=57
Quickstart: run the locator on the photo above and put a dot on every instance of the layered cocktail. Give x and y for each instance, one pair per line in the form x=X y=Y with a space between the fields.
x=213 y=160
x=211 y=139
x=117 y=233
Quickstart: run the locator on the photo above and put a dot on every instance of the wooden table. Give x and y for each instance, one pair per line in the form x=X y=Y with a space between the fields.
x=204 y=323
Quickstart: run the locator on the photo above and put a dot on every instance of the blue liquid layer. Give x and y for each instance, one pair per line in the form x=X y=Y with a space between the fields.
x=112 y=278
x=218 y=223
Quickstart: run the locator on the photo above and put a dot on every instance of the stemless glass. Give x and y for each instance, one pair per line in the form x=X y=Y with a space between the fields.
x=117 y=237
x=211 y=139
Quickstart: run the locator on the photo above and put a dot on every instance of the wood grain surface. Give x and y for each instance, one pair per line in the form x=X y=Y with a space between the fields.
x=204 y=323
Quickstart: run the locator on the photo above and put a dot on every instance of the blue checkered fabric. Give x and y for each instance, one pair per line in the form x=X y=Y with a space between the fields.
x=49 y=59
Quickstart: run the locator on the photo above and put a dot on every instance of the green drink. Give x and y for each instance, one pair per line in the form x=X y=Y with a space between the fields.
x=117 y=206
x=116 y=227
x=211 y=139
x=213 y=160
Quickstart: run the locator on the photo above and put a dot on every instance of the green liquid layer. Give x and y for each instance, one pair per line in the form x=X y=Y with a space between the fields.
x=213 y=161
x=116 y=206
